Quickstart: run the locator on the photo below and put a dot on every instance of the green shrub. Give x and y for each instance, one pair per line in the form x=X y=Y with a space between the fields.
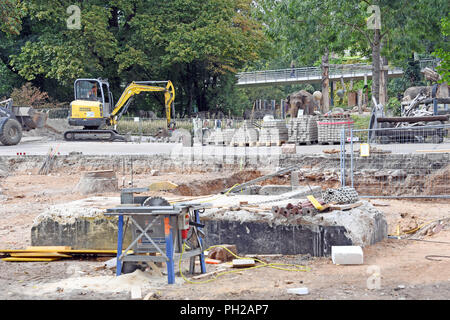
x=361 y=122
x=395 y=106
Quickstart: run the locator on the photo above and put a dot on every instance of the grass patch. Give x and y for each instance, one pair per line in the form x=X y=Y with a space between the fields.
x=149 y=127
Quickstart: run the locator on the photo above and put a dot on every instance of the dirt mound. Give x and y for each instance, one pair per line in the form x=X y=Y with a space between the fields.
x=437 y=183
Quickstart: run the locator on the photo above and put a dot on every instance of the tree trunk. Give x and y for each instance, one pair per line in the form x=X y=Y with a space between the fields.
x=325 y=82
x=376 y=46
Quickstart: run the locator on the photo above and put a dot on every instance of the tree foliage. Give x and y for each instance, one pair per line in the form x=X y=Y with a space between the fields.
x=10 y=17
x=306 y=28
x=443 y=51
x=198 y=45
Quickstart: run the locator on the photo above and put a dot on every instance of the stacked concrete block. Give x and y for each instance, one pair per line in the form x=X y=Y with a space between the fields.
x=221 y=136
x=273 y=132
x=303 y=130
x=246 y=135
x=329 y=128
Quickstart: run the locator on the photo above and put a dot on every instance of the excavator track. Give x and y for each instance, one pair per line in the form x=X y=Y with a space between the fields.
x=93 y=135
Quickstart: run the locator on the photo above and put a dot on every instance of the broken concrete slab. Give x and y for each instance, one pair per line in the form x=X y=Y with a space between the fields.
x=80 y=224
x=274 y=189
x=262 y=233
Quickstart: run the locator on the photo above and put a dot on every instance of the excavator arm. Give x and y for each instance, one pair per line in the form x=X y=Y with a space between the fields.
x=144 y=86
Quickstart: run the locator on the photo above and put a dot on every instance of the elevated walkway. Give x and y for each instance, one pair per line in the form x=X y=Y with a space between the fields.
x=314 y=74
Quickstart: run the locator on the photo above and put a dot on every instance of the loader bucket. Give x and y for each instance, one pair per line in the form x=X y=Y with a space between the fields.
x=30 y=118
x=39 y=119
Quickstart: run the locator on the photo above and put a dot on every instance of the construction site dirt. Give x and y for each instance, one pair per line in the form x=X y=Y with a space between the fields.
x=404 y=267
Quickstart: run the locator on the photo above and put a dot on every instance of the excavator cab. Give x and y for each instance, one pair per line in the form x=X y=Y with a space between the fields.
x=92 y=105
x=94 y=108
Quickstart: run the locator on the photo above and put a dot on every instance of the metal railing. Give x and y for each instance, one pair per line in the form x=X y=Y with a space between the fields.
x=310 y=74
x=397 y=162
x=430 y=63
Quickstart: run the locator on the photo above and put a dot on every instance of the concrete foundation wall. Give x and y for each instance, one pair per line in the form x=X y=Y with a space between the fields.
x=262 y=238
x=219 y=161
x=82 y=233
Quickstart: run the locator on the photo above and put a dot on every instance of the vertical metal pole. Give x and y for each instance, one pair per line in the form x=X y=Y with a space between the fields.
x=200 y=240
x=169 y=252
x=342 y=156
x=119 y=245
x=351 y=155
x=132 y=182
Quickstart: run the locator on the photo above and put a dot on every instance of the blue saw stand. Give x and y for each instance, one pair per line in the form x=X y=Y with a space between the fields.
x=157 y=229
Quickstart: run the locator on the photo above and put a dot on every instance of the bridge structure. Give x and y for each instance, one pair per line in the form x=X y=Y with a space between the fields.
x=289 y=76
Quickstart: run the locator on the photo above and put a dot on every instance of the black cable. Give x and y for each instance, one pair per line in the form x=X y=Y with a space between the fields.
x=429 y=257
x=428 y=241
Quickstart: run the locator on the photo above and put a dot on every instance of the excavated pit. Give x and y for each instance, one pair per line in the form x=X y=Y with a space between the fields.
x=76 y=225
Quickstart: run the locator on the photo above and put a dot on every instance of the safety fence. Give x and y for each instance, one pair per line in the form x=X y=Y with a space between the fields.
x=404 y=162
x=150 y=127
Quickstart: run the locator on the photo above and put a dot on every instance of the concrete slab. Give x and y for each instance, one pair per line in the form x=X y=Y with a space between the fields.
x=274 y=189
x=82 y=225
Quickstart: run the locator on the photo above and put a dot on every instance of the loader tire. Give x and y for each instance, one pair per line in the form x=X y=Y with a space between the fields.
x=11 y=133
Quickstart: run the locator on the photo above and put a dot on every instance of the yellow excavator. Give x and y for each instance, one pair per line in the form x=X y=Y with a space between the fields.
x=94 y=109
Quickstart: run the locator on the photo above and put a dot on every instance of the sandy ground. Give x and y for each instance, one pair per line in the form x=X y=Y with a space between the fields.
x=398 y=269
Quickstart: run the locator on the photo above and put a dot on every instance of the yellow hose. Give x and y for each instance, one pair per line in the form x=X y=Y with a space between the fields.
x=278 y=266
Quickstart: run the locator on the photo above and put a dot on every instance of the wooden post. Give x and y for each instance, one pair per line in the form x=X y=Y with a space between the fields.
x=360 y=100
x=332 y=94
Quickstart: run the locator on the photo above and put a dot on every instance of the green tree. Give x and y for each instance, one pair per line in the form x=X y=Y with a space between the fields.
x=307 y=33
x=443 y=51
x=309 y=27
x=405 y=27
x=10 y=16
x=198 y=45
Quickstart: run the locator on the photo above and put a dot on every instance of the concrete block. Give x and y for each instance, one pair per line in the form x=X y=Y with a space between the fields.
x=347 y=255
